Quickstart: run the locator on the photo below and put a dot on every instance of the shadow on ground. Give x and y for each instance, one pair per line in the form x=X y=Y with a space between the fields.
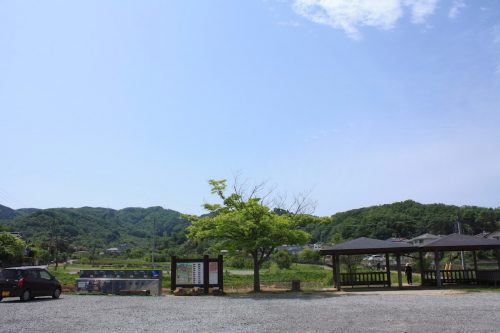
x=285 y=295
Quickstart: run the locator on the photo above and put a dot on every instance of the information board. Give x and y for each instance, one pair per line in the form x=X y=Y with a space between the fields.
x=190 y=273
x=213 y=272
x=184 y=273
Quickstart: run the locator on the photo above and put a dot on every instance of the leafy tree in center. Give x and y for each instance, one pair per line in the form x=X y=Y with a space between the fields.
x=11 y=248
x=247 y=226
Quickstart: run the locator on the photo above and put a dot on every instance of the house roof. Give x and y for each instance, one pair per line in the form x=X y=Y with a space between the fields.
x=493 y=234
x=365 y=245
x=425 y=236
x=455 y=242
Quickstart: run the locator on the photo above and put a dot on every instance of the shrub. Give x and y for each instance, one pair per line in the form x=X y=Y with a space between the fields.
x=283 y=259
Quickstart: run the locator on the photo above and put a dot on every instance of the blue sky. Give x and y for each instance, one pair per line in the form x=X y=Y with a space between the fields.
x=139 y=103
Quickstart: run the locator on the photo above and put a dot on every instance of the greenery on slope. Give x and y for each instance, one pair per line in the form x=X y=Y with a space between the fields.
x=96 y=229
x=405 y=219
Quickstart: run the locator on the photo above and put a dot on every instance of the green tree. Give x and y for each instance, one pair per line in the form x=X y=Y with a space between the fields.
x=11 y=248
x=283 y=259
x=247 y=226
x=309 y=255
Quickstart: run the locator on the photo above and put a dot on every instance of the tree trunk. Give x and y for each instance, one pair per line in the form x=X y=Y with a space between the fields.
x=56 y=255
x=256 y=273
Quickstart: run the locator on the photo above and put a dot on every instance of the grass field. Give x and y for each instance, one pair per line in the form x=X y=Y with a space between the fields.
x=312 y=277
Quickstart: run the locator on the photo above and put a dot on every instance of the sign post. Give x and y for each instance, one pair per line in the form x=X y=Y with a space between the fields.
x=204 y=273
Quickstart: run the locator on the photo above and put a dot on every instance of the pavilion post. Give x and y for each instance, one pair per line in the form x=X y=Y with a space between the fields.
x=422 y=268
x=438 y=268
x=334 y=271
x=398 y=264
x=388 y=269
x=498 y=259
x=337 y=272
x=474 y=256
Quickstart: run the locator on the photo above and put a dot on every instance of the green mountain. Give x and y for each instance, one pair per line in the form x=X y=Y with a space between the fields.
x=405 y=219
x=82 y=228
x=7 y=213
x=132 y=228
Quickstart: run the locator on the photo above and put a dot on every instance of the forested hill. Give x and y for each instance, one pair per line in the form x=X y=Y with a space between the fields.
x=80 y=228
x=405 y=219
x=7 y=213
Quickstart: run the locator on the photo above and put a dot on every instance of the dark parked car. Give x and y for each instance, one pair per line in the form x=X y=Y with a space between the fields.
x=27 y=283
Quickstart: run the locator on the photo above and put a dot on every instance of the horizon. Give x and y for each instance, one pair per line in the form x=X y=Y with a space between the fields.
x=173 y=209
x=139 y=104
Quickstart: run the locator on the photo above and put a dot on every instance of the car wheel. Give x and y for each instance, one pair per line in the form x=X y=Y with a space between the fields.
x=56 y=293
x=26 y=295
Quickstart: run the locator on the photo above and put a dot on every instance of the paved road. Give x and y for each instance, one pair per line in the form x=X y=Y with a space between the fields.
x=321 y=312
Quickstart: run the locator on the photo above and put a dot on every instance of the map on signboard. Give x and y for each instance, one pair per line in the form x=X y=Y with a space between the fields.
x=213 y=273
x=184 y=273
x=189 y=273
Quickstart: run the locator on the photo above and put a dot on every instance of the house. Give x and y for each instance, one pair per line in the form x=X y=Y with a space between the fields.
x=17 y=234
x=397 y=239
x=315 y=247
x=293 y=249
x=113 y=250
x=494 y=235
x=483 y=234
x=423 y=239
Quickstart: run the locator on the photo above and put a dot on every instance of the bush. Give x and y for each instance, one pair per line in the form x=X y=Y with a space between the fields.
x=236 y=262
x=283 y=259
x=11 y=248
x=309 y=256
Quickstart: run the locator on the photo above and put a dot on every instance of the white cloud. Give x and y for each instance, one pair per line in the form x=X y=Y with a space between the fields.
x=350 y=15
x=421 y=9
x=496 y=34
x=496 y=43
x=455 y=8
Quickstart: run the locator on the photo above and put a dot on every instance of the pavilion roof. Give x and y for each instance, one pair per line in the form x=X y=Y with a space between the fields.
x=365 y=245
x=457 y=242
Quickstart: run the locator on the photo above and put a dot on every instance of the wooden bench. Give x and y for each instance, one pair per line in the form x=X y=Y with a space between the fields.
x=488 y=276
x=364 y=279
x=457 y=276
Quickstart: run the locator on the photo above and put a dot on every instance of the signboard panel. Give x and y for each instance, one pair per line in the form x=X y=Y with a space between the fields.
x=213 y=273
x=190 y=273
x=197 y=273
x=119 y=282
x=184 y=274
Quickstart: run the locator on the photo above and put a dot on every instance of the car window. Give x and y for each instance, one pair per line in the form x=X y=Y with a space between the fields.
x=31 y=275
x=45 y=275
x=10 y=274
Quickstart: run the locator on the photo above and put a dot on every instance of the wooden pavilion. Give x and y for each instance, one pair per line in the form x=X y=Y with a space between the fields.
x=365 y=245
x=457 y=242
x=454 y=242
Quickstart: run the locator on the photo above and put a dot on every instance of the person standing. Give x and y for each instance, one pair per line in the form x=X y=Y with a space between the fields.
x=408 y=272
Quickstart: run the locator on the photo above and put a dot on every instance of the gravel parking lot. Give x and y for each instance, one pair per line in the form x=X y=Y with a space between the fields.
x=320 y=312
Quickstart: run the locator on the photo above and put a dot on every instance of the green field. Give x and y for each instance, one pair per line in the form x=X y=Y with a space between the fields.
x=310 y=276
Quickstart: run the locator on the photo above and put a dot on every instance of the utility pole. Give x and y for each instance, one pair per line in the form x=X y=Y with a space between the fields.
x=153 y=247
x=459 y=227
